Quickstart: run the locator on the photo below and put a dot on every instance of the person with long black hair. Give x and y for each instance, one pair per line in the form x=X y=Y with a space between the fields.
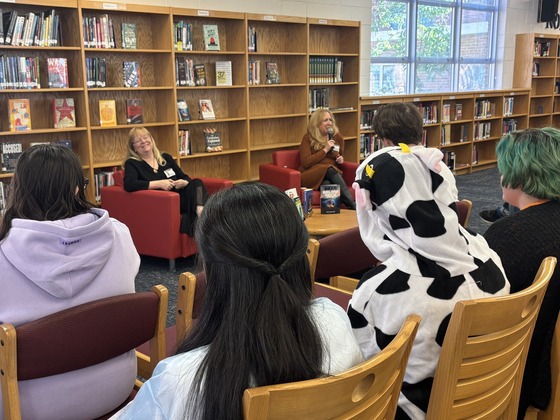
x=259 y=323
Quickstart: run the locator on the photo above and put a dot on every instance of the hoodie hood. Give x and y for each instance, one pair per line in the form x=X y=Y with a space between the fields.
x=66 y=254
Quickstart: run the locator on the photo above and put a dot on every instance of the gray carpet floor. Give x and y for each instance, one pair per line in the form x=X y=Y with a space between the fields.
x=482 y=188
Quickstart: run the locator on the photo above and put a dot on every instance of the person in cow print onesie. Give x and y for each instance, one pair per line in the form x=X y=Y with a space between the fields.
x=408 y=219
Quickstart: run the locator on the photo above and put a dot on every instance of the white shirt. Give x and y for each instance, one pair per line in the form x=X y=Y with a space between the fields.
x=165 y=395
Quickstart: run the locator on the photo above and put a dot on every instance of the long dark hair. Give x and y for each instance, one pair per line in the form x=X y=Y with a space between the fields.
x=253 y=245
x=44 y=186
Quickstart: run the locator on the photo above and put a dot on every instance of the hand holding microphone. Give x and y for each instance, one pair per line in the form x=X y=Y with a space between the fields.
x=331 y=139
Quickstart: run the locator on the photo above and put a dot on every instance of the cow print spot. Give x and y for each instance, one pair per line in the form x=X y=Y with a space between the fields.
x=371 y=273
x=442 y=329
x=488 y=277
x=398 y=222
x=397 y=282
x=418 y=393
x=357 y=320
x=383 y=339
x=426 y=219
x=445 y=288
x=437 y=180
x=388 y=169
x=429 y=268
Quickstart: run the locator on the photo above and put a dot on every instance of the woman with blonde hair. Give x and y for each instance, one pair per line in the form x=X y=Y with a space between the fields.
x=320 y=152
x=146 y=168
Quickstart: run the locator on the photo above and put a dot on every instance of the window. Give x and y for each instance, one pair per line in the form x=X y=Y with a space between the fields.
x=422 y=46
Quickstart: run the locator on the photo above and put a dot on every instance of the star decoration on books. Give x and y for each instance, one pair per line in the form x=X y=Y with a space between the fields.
x=65 y=111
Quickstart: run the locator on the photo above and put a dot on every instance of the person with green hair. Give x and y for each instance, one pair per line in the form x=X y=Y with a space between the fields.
x=529 y=164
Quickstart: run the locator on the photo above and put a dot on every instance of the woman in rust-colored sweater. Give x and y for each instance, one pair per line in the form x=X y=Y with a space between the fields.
x=321 y=151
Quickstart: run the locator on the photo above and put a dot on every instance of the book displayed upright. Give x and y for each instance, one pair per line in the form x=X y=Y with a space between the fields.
x=206 y=109
x=131 y=74
x=20 y=114
x=272 y=76
x=200 y=74
x=212 y=140
x=183 y=110
x=330 y=198
x=307 y=201
x=57 y=70
x=128 y=33
x=185 y=146
x=64 y=115
x=107 y=113
x=293 y=194
x=223 y=73
x=10 y=154
x=134 y=113
x=211 y=37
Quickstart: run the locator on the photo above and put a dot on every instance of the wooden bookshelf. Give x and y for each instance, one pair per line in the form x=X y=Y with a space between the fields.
x=535 y=68
x=471 y=134
x=253 y=120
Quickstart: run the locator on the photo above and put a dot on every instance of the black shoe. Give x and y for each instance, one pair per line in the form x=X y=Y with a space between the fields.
x=490 y=216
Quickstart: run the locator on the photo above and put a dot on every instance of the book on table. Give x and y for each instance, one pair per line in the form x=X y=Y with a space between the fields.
x=134 y=114
x=307 y=201
x=64 y=114
x=211 y=37
x=293 y=194
x=330 y=198
x=107 y=113
x=20 y=114
x=206 y=109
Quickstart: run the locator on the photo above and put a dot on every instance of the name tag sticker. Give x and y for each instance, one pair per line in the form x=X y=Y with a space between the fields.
x=169 y=172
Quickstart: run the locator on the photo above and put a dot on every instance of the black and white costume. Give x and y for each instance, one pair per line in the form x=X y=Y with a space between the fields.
x=408 y=219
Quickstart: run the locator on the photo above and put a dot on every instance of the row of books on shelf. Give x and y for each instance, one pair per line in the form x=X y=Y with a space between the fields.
x=32 y=29
x=205 y=108
x=20 y=114
x=252 y=39
x=429 y=112
x=325 y=70
x=96 y=73
x=509 y=102
x=318 y=98
x=99 y=32
x=108 y=112
x=191 y=74
x=212 y=141
x=103 y=179
x=20 y=72
x=272 y=73
x=482 y=130
x=541 y=48
x=182 y=36
x=451 y=134
x=484 y=109
x=446 y=112
x=369 y=143
x=11 y=151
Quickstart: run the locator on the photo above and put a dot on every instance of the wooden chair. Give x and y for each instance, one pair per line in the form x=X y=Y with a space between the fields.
x=367 y=391
x=552 y=412
x=483 y=356
x=190 y=295
x=464 y=208
x=82 y=336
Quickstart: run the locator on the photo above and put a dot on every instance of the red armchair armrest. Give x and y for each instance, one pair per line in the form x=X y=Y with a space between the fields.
x=280 y=177
x=216 y=184
x=349 y=173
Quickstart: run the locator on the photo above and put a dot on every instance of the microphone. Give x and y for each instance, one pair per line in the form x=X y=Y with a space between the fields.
x=331 y=136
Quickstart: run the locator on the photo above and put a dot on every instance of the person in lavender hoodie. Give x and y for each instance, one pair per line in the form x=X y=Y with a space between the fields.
x=58 y=251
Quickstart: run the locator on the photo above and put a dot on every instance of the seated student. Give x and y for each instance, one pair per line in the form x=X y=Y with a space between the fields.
x=58 y=251
x=259 y=324
x=321 y=151
x=145 y=168
x=407 y=219
x=529 y=162
x=401 y=122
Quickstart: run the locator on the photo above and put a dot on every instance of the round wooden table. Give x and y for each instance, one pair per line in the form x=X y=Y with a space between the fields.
x=327 y=224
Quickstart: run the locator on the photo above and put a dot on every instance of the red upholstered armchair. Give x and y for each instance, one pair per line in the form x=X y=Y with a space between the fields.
x=283 y=172
x=153 y=217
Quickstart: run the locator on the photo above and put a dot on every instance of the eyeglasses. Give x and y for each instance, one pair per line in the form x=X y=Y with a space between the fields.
x=86 y=182
x=142 y=139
